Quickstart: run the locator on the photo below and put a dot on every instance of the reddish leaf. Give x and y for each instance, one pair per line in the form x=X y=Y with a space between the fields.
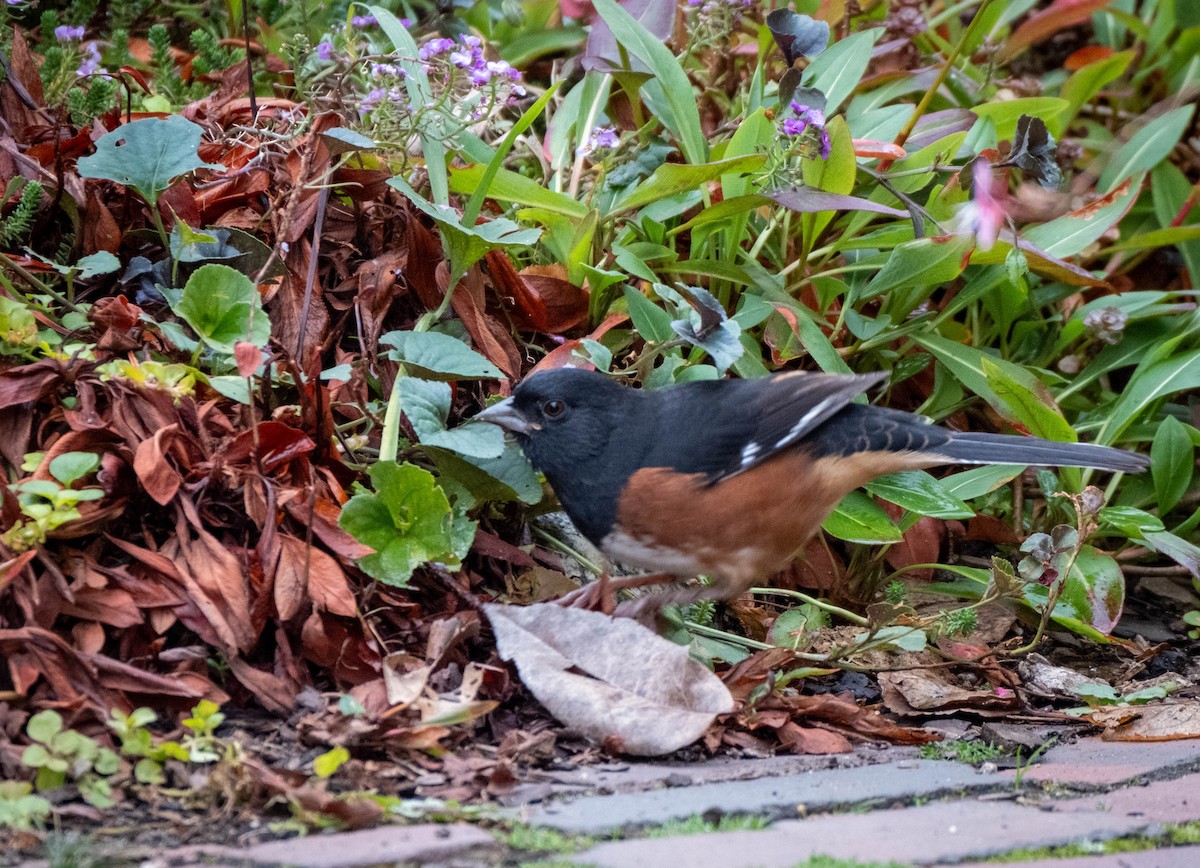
x=491 y=338
x=541 y=297
x=1087 y=55
x=277 y=443
x=29 y=382
x=326 y=581
x=563 y=356
x=878 y=150
x=275 y=693
x=247 y=357
x=1059 y=15
x=160 y=480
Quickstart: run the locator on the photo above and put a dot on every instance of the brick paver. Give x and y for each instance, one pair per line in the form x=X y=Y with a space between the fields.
x=774 y=797
x=1176 y=857
x=934 y=833
x=423 y=844
x=1093 y=762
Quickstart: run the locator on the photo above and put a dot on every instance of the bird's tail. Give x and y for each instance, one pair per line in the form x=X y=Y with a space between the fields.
x=970 y=447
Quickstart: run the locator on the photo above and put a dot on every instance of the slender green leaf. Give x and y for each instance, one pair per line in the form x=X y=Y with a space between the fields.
x=682 y=115
x=1146 y=148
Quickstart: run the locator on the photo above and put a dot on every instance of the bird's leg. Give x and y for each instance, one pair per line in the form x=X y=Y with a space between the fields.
x=644 y=608
x=601 y=595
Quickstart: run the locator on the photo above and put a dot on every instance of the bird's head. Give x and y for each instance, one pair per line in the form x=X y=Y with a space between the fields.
x=562 y=417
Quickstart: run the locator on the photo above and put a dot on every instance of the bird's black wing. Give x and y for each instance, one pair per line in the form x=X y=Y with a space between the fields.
x=723 y=428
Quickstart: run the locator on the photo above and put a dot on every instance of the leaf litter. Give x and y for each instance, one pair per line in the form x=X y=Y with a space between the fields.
x=214 y=567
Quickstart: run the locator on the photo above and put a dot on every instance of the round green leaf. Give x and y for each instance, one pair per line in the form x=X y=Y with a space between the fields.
x=147 y=155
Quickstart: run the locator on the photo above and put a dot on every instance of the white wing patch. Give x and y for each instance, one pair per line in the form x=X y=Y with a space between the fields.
x=749 y=453
x=803 y=423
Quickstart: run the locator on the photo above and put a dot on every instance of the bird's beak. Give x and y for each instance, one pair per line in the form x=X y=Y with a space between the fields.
x=506 y=415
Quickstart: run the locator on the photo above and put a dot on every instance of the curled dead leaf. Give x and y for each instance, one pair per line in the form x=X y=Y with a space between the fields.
x=610 y=679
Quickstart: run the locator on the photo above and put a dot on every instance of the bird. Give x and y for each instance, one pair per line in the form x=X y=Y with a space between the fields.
x=730 y=478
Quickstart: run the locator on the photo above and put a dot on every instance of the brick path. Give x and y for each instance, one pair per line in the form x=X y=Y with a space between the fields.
x=872 y=806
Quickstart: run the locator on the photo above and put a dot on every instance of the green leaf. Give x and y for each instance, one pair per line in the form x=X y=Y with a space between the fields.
x=1184 y=553
x=427 y=406
x=147 y=155
x=148 y=771
x=901 y=638
x=35 y=757
x=340 y=140
x=507 y=478
x=508 y=186
x=681 y=114
x=792 y=625
x=70 y=467
x=233 y=387
x=923 y=262
x=837 y=70
x=967 y=365
x=1028 y=401
x=18 y=326
x=466 y=245
x=44 y=726
x=1130 y=521
x=1005 y=113
x=329 y=762
x=1146 y=148
x=1092 y=598
x=651 y=321
x=1069 y=235
x=408 y=521
x=223 y=307
x=917 y=491
x=978 y=481
x=96 y=264
x=1172 y=463
x=859 y=519
x=1085 y=83
x=436 y=356
x=1147 y=387
x=670 y=179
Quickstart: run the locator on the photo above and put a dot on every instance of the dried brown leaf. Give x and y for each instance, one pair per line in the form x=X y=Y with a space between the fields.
x=610 y=679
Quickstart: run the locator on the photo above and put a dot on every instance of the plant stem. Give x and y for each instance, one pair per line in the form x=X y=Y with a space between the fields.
x=820 y=604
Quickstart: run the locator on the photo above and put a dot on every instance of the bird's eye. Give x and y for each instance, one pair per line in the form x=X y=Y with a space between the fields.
x=553 y=409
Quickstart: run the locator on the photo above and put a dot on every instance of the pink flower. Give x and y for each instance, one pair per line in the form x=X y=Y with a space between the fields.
x=984 y=215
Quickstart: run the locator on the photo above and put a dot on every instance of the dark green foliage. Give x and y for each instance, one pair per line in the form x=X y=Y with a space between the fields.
x=15 y=226
x=167 y=81
x=85 y=104
x=211 y=56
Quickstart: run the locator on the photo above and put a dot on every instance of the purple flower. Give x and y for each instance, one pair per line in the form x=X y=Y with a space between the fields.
x=461 y=59
x=504 y=68
x=90 y=61
x=371 y=101
x=435 y=46
x=67 y=33
x=379 y=70
x=406 y=23
x=805 y=118
x=325 y=51
x=605 y=137
x=363 y=21
x=600 y=137
x=794 y=126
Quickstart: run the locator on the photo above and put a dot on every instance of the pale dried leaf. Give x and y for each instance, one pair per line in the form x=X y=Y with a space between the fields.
x=1165 y=722
x=642 y=692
